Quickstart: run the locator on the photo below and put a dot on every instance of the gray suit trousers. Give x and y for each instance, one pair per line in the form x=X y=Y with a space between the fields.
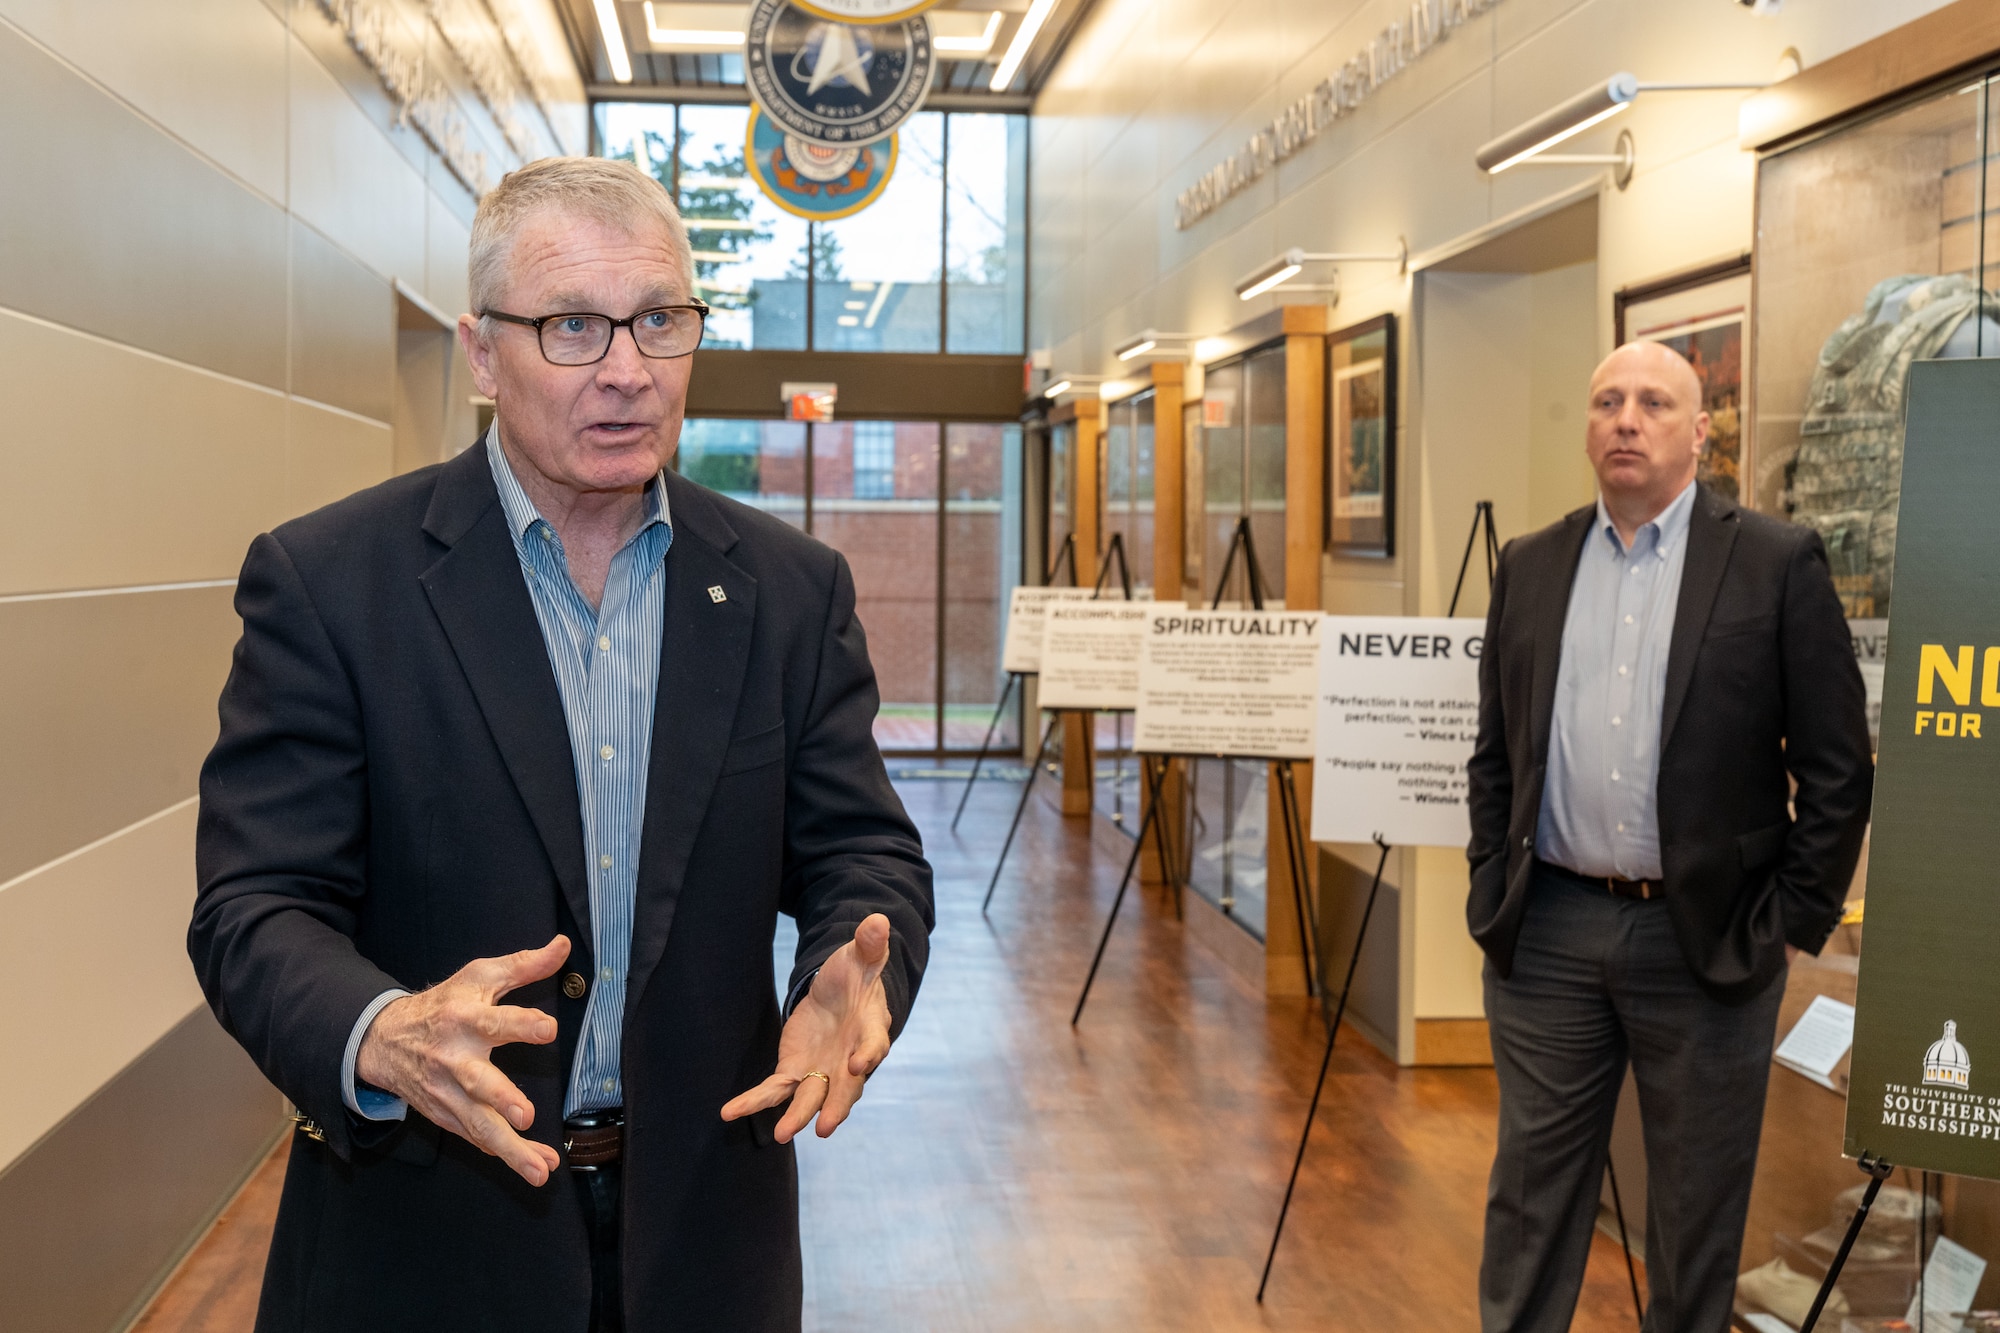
x=1598 y=982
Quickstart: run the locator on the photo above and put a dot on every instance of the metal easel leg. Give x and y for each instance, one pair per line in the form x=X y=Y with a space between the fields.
x=1124 y=882
x=1326 y=1060
x=1625 y=1241
x=1027 y=790
x=1295 y=858
x=1005 y=694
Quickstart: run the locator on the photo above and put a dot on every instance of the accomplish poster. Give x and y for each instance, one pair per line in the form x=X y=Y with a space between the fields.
x=1925 y=1085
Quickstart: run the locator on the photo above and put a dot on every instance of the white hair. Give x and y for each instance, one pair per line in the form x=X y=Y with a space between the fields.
x=605 y=190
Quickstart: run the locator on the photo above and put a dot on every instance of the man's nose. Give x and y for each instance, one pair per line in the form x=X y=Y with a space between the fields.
x=624 y=365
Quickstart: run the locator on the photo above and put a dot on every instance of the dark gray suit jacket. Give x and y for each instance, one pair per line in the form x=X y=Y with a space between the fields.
x=1761 y=683
x=392 y=796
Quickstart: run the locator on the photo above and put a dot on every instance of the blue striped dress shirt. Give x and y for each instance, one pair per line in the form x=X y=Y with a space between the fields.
x=1600 y=795
x=607 y=669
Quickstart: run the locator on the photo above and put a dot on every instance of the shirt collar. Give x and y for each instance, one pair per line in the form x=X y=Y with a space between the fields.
x=521 y=512
x=1669 y=526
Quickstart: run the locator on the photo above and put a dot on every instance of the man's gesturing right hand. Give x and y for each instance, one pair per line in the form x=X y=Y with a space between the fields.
x=432 y=1050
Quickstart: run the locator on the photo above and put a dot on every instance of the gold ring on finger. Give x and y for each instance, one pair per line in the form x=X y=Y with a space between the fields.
x=814 y=1073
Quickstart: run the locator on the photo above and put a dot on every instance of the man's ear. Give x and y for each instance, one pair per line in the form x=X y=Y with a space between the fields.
x=1701 y=425
x=478 y=355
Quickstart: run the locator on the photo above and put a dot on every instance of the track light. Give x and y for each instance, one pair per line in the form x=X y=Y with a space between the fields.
x=1058 y=389
x=1289 y=264
x=1528 y=143
x=1595 y=104
x=1266 y=276
x=1147 y=341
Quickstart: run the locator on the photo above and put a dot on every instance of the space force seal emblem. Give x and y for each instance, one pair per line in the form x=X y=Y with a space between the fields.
x=836 y=84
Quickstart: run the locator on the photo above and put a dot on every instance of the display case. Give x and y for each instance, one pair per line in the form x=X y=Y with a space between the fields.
x=1877 y=245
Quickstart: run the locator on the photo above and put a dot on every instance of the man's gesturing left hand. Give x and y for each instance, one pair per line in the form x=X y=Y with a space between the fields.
x=840 y=1029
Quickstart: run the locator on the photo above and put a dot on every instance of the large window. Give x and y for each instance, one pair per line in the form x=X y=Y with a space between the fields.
x=929 y=518
x=1128 y=483
x=937 y=264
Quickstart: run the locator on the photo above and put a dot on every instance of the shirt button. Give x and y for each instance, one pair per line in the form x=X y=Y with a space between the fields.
x=604 y=640
x=1614 y=775
x=1616 y=722
x=609 y=1084
x=1621 y=671
x=607 y=751
x=1621 y=828
x=605 y=860
x=1628 y=620
x=605 y=972
x=547 y=535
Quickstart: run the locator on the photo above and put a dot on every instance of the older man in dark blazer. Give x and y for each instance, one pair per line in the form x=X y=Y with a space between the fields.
x=1657 y=667
x=521 y=757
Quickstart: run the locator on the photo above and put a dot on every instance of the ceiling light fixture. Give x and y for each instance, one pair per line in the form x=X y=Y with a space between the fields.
x=670 y=37
x=1147 y=341
x=1067 y=382
x=1527 y=144
x=1017 y=50
x=963 y=45
x=1058 y=389
x=1292 y=262
x=614 y=40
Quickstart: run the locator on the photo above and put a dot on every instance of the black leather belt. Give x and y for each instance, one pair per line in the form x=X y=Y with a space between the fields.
x=1641 y=890
x=594 y=1139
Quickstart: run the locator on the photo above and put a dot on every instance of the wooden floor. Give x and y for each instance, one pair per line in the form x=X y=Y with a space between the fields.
x=1006 y=1172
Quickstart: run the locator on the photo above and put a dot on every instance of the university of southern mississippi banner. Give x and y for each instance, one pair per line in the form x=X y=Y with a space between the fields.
x=1925 y=1091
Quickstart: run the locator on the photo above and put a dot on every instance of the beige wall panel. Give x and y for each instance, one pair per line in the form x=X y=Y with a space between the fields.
x=332 y=456
x=1474 y=374
x=1448 y=962
x=169 y=471
x=75 y=1021
x=343 y=328
x=348 y=180
x=1563 y=351
x=211 y=72
x=111 y=711
x=115 y=228
x=446 y=241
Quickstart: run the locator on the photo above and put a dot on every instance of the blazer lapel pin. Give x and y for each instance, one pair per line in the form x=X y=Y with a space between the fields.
x=716 y=594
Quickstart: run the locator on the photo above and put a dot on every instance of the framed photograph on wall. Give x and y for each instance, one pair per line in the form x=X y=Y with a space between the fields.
x=1701 y=313
x=1360 y=504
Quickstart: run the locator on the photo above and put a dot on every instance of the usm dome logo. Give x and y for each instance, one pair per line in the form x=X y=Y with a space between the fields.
x=1946 y=1064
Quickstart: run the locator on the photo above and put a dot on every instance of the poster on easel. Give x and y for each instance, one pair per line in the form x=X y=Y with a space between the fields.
x=1398 y=717
x=1090 y=654
x=1228 y=683
x=1924 y=1075
x=1027 y=612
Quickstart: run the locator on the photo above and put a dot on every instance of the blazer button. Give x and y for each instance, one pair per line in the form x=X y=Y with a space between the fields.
x=1528 y=843
x=574 y=985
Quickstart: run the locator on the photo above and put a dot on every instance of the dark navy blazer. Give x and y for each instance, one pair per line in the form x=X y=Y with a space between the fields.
x=392 y=796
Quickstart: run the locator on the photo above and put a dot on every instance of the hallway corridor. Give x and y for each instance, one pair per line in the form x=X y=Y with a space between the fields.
x=1008 y=1173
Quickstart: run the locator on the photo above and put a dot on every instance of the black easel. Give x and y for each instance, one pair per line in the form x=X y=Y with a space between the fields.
x=1482 y=515
x=1878 y=1171
x=1288 y=800
x=1625 y=1243
x=1065 y=552
x=1116 y=548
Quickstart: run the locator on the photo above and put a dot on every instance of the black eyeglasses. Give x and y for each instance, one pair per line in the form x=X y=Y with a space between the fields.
x=582 y=338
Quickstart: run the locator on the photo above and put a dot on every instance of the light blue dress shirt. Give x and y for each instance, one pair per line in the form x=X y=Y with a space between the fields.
x=607 y=669
x=1600 y=807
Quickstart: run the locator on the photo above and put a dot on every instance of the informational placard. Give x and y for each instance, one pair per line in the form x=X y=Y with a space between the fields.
x=1027 y=611
x=1871 y=654
x=1819 y=1041
x=1398 y=715
x=1924 y=1078
x=1090 y=654
x=1228 y=683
